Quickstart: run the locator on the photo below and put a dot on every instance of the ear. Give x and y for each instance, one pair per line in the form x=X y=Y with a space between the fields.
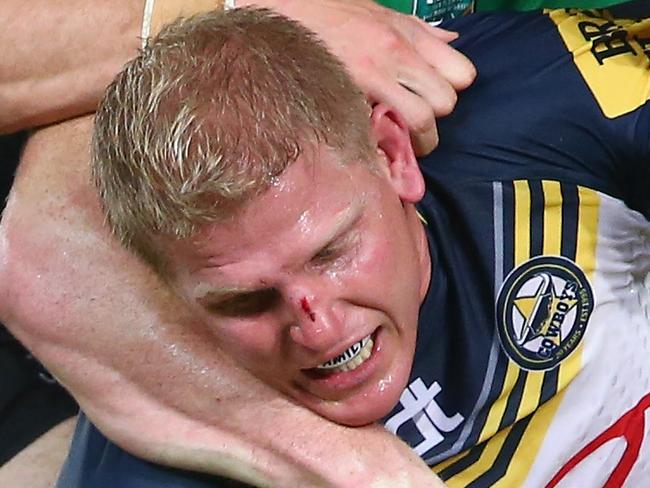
x=394 y=142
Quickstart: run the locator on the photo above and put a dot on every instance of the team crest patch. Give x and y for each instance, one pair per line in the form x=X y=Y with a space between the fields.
x=543 y=308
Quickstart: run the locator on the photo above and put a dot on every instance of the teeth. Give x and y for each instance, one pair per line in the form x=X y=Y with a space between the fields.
x=351 y=358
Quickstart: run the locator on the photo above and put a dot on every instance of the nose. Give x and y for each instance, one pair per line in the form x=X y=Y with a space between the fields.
x=318 y=322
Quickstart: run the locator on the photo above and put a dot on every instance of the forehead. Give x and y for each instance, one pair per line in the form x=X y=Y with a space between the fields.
x=301 y=208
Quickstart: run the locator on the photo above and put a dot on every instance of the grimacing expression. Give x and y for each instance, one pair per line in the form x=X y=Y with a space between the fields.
x=315 y=285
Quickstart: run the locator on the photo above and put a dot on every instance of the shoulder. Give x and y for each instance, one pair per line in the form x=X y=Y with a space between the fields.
x=561 y=95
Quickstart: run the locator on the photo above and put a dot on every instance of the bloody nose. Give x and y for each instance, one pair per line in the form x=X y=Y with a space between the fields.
x=304 y=304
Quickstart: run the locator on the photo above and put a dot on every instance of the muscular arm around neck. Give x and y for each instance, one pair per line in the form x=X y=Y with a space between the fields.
x=145 y=372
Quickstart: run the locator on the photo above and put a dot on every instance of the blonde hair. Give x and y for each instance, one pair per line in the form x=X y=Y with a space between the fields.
x=209 y=114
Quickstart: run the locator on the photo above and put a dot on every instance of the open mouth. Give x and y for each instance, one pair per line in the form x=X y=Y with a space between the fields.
x=350 y=359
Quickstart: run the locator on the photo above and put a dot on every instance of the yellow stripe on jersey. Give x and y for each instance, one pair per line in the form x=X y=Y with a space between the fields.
x=525 y=453
x=488 y=456
x=522 y=254
x=490 y=433
x=532 y=393
x=533 y=385
x=587 y=240
x=499 y=406
x=552 y=246
x=587 y=230
x=612 y=56
x=522 y=222
x=588 y=216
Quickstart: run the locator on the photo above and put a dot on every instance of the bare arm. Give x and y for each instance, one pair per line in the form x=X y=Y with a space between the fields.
x=122 y=344
x=59 y=55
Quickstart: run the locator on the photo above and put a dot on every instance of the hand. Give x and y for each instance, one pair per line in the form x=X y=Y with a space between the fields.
x=396 y=59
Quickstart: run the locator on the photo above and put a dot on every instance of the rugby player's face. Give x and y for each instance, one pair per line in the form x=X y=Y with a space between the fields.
x=315 y=286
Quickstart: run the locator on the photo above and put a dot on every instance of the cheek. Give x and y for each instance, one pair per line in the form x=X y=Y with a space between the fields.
x=379 y=257
x=389 y=269
x=387 y=255
x=248 y=343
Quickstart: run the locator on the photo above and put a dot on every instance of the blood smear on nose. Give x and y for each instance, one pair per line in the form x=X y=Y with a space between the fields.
x=304 y=303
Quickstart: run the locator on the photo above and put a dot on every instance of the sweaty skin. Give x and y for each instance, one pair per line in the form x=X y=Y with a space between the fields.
x=362 y=264
x=122 y=343
x=72 y=296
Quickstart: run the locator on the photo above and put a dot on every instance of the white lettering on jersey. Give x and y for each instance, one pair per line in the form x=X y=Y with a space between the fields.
x=421 y=407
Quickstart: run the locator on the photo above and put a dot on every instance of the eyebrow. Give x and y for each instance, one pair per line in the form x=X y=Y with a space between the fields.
x=345 y=223
x=348 y=218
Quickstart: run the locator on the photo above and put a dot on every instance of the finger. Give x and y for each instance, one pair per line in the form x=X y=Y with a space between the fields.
x=416 y=112
x=443 y=34
x=451 y=64
x=427 y=83
x=454 y=66
x=425 y=142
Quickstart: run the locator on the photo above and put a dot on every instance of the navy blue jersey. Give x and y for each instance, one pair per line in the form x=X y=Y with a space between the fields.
x=95 y=462
x=533 y=337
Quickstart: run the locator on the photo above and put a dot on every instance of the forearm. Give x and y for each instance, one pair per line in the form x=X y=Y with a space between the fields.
x=59 y=56
x=146 y=373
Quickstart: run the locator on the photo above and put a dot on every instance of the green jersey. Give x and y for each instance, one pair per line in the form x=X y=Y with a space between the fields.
x=437 y=10
x=431 y=10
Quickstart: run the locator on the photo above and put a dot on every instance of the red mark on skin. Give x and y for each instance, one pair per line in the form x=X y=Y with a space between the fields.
x=304 y=303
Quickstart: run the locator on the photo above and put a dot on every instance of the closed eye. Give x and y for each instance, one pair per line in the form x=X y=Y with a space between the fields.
x=246 y=304
x=339 y=251
x=330 y=253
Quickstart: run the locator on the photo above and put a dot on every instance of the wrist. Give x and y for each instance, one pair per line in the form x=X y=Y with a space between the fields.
x=158 y=13
x=270 y=4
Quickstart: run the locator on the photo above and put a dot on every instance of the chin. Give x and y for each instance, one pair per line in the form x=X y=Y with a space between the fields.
x=351 y=418
x=363 y=408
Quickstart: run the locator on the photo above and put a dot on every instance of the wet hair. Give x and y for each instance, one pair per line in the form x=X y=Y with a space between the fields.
x=209 y=114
